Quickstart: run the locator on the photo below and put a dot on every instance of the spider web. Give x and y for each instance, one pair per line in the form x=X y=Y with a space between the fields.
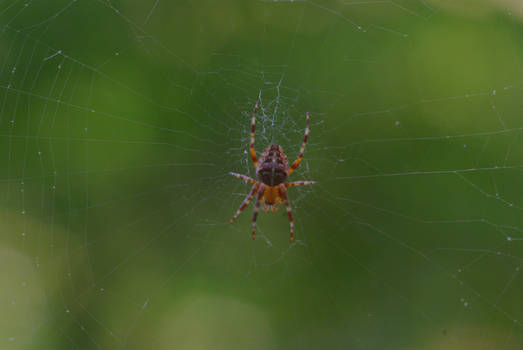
x=119 y=124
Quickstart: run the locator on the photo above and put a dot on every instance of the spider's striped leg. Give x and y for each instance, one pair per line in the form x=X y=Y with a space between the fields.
x=243 y=177
x=299 y=183
x=283 y=195
x=251 y=147
x=256 y=207
x=302 y=148
x=245 y=202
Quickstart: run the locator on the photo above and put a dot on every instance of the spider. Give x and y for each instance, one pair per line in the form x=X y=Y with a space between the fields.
x=272 y=170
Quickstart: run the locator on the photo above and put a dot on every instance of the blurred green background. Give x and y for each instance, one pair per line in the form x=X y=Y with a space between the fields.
x=119 y=123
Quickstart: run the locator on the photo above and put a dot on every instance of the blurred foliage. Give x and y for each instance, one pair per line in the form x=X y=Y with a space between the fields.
x=121 y=120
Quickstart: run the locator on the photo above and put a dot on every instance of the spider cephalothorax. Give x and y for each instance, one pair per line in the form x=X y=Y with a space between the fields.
x=272 y=170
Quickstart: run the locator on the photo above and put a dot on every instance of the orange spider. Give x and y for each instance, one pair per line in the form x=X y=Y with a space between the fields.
x=272 y=171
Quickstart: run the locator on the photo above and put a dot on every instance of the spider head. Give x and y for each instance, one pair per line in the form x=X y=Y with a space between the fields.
x=273 y=168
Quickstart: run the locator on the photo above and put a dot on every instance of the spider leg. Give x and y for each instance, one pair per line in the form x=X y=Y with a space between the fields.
x=245 y=202
x=299 y=183
x=302 y=148
x=256 y=207
x=251 y=147
x=243 y=177
x=283 y=195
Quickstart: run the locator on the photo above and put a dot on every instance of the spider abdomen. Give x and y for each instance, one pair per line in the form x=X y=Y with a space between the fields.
x=273 y=167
